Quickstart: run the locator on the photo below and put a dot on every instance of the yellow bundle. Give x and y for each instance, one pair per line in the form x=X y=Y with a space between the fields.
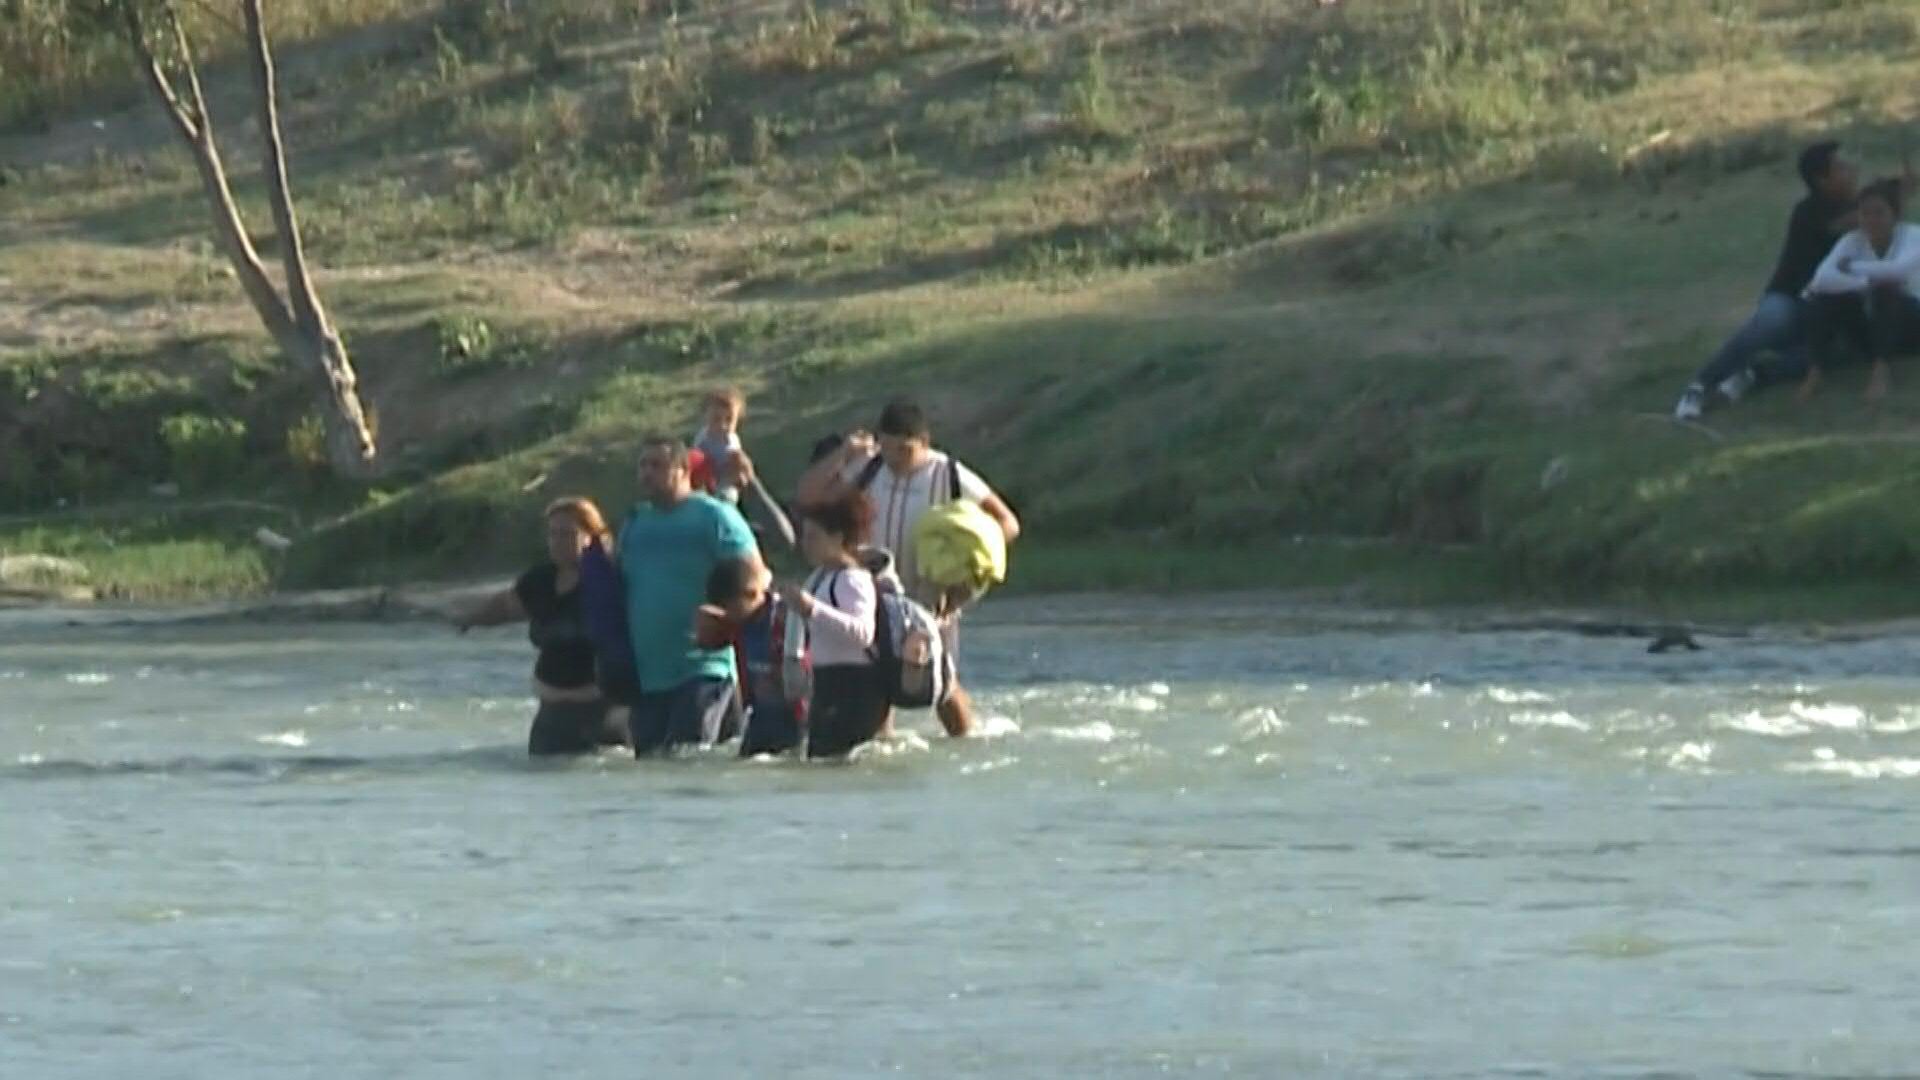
x=959 y=545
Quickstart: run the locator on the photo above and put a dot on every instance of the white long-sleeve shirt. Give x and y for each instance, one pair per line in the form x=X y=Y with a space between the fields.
x=843 y=622
x=1866 y=268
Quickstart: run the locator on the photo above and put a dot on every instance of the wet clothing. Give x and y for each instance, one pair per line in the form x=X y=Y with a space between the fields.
x=557 y=627
x=698 y=712
x=842 y=625
x=603 y=604
x=849 y=708
x=573 y=727
x=772 y=722
x=850 y=703
x=665 y=559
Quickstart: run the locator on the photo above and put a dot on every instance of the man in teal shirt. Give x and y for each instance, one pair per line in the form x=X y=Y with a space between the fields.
x=668 y=547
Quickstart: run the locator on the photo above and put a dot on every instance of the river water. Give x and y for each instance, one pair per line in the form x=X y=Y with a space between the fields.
x=1211 y=840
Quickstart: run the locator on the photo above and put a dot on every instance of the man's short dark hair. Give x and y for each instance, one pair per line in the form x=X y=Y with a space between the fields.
x=1891 y=190
x=1816 y=161
x=675 y=449
x=904 y=419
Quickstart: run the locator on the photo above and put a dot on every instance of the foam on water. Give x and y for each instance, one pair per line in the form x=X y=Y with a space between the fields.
x=295 y=739
x=1176 y=848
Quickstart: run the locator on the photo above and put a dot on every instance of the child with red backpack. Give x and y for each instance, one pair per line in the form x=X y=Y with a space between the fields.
x=770 y=651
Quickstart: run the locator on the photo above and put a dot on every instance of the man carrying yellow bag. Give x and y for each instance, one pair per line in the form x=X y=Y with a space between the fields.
x=914 y=488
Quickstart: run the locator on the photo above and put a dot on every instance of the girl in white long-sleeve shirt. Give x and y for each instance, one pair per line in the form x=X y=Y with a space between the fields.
x=841 y=605
x=1869 y=289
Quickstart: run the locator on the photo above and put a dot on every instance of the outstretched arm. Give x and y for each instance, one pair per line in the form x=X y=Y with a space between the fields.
x=498 y=609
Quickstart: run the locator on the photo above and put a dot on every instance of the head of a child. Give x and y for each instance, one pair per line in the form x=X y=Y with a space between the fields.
x=738 y=587
x=726 y=407
x=832 y=532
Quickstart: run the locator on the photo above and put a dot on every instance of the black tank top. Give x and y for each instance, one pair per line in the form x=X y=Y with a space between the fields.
x=557 y=628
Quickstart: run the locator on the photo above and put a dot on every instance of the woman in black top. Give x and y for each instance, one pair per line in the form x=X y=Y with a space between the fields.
x=574 y=718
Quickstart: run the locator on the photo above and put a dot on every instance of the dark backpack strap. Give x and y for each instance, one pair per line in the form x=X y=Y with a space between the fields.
x=953 y=478
x=869 y=473
x=882 y=651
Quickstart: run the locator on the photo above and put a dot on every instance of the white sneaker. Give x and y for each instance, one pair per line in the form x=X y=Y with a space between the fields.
x=1735 y=387
x=1692 y=404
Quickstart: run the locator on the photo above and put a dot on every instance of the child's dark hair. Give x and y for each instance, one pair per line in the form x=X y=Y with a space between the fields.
x=827 y=445
x=728 y=580
x=1891 y=191
x=849 y=517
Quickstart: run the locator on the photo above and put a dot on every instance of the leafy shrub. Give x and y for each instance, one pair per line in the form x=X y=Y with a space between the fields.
x=204 y=451
x=307 y=446
x=469 y=345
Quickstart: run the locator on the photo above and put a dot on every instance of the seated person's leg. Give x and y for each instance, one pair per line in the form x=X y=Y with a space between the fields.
x=1831 y=319
x=1772 y=326
x=1895 y=330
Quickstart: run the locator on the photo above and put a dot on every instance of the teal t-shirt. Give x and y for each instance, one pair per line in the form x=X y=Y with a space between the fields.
x=665 y=558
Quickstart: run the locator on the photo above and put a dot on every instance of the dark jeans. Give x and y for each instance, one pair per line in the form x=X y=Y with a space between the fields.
x=771 y=729
x=1883 y=324
x=1778 y=325
x=572 y=727
x=698 y=712
x=849 y=708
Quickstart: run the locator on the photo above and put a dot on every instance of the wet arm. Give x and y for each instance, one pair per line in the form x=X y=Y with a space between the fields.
x=498 y=609
x=998 y=510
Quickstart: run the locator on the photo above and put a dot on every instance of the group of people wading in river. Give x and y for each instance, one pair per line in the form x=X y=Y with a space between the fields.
x=675 y=633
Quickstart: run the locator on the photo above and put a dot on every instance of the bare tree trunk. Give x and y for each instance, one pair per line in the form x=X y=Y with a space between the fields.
x=298 y=322
x=350 y=438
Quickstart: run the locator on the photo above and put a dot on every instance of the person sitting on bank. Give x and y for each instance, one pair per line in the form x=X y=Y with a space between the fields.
x=1869 y=287
x=573 y=717
x=841 y=603
x=1778 y=324
x=905 y=476
x=669 y=546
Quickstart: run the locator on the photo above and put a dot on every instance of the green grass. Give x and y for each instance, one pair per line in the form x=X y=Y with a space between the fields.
x=155 y=558
x=1187 y=281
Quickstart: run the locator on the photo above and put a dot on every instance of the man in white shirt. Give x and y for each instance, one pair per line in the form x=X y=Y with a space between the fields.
x=905 y=476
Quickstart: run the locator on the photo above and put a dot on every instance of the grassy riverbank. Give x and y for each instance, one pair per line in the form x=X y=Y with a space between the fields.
x=1188 y=281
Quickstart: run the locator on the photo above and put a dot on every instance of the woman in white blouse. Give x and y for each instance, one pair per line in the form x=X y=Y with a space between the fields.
x=1868 y=289
x=841 y=605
